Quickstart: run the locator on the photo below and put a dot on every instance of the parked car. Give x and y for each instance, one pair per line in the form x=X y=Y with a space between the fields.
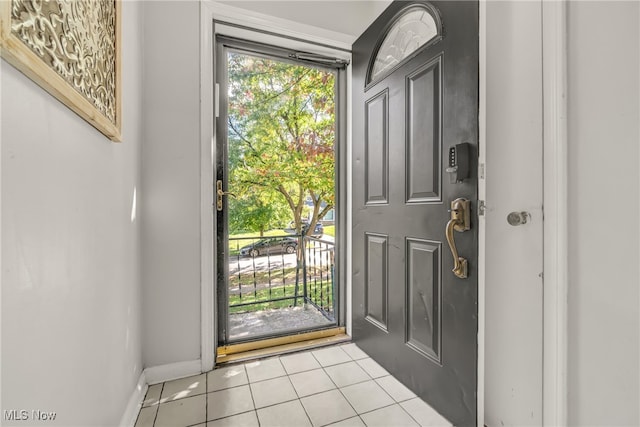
x=278 y=245
x=318 y=230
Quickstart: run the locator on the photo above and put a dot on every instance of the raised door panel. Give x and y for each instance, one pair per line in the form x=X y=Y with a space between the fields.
x=376 y=280
x=423 y=297
x=424 y=134
x=377 y=149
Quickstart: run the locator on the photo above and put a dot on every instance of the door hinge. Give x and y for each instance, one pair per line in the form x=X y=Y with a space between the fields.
x=482 y=207
x=481 y=170
x=216 y=100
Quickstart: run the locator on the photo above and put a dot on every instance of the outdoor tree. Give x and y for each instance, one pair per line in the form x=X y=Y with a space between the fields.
x=257 y=211
x=281 y=137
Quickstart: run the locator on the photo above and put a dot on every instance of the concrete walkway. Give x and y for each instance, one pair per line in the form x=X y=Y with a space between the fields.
x=269 y=322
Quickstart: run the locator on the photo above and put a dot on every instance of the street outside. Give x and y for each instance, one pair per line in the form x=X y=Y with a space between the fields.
x=241 y=265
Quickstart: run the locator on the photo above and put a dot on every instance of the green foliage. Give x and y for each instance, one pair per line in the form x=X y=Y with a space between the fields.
x=281 y=141
x=256 y=211
x=330 y=230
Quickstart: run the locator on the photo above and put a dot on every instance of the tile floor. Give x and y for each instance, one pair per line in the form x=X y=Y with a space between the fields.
x=331 y=386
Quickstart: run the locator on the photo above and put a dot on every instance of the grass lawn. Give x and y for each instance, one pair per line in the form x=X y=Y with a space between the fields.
x=319 y=292
x=262 y=295
x=275 y=277
x=330 y=230
x=261 y=287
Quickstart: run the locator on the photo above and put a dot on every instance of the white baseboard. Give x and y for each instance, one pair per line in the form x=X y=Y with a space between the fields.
x=172 y=371
x=135 y=403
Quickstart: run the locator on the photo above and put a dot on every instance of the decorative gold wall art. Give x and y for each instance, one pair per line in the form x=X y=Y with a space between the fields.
x=72 y=49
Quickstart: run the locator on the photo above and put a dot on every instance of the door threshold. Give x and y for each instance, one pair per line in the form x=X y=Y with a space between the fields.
x=281 y=345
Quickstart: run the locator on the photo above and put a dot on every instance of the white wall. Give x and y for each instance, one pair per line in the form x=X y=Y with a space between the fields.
x=603 y=120
x=71 y=310
x=171 y=182
x=513 y=291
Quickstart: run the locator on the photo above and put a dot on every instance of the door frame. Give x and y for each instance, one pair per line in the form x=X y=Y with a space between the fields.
x=555 y=203
x=298 y=36
x=554 y=393
x=253 y=46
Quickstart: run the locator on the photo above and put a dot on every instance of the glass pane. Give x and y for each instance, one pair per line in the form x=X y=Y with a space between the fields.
x=281 y=167
x=413 y=30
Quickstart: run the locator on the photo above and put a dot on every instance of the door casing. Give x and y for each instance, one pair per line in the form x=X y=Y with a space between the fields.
x=277 y=52
x=555 y=179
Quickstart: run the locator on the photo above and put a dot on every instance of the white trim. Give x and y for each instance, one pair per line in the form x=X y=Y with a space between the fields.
x=172 y=371
x=208 y=329
x=482 y=191
x=347 y=229
x=210 y=10
x=284 y=27
x=134 y=405
x=276 y=40
x=554 y=72
x=2 y=65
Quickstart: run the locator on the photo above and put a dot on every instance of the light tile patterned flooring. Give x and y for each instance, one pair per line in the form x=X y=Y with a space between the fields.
x=332 y=386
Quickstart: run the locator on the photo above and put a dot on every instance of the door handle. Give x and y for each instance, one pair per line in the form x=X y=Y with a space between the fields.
x=460 y=221
x=220 y=193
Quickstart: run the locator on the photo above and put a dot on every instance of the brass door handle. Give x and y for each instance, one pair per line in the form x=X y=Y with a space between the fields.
x=220 y=193
x=460 y=221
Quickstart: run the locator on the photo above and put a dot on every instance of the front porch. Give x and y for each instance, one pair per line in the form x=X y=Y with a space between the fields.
x=283 y=289
x=283 y=320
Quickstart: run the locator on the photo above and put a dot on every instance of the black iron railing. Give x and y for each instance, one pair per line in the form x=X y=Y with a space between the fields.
x=319 y=275
x=281 y=271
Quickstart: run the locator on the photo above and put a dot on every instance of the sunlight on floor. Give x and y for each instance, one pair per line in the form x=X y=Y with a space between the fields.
x=331 y=386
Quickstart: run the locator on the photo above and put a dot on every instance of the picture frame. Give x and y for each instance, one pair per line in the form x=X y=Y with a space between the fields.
x=72 y=50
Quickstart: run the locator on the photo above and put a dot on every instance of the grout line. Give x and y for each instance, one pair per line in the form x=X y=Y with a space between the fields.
x=233 y=415
x=342 y=394
x=248 y=384
x=251 y=393
x=408 y=413
x=255 y=410
x=321 y=368
x=296 y=392
x=371 y=378
x=206 y=397
x=158 y=405
x=395 y=402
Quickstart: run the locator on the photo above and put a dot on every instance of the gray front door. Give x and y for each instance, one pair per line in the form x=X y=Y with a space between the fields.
x=415 y=98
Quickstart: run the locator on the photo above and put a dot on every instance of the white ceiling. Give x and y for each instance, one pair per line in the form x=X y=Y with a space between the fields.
x=350 y=17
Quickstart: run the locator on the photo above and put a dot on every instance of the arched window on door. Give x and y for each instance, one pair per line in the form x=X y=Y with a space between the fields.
x=414 y=28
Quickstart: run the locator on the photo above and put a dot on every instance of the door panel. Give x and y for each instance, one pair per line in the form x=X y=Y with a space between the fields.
x=410 y=312
x=423 y=292
x=376 y=292
x=377 y=149
x=423 y=135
